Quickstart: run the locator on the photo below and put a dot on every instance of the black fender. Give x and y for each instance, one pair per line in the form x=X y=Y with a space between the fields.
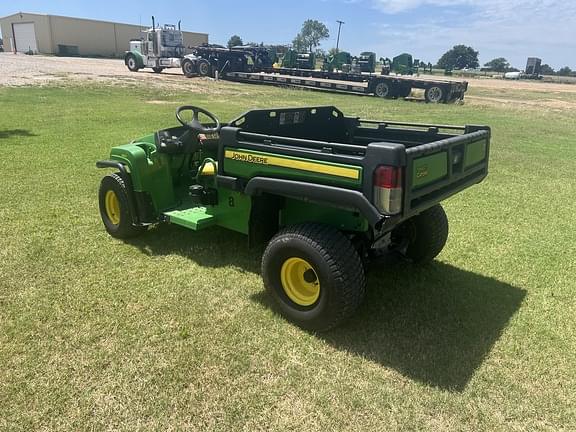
x=330 y=195
x=137 y=216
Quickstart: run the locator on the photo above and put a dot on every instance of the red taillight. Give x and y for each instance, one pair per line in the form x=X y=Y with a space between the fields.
x=388 y=189
x=388 y=177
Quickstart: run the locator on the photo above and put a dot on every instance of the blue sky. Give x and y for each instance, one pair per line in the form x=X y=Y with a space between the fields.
x=515 y=29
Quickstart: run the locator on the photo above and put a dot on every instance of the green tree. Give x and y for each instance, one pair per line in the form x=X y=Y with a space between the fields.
x=499 y=64
x=234 y=41
x=565 y=71
x=310 y=35
x=545 y=69
x=459 y=57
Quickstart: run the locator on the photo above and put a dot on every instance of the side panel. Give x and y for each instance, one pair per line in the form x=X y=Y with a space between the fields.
x=475 y=153
x=248 y=164
x=232 y=211
x=429 y=169
x=296 y=211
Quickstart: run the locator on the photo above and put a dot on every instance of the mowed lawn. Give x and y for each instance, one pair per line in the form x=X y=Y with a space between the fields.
x=173 y=331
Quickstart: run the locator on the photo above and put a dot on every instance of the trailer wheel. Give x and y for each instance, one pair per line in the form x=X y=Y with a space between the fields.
x=115 y=208
x=132 y=63
x=188 y=68
x=157 y=69
x=434 y=94
x=422 y=237
x=383 y=90
x=204 y=67
x=314 y=274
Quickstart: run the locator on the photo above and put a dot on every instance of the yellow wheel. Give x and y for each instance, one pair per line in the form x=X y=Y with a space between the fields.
x=314 y=274
x=112 y=207
x=300 y=281
x=115 y=207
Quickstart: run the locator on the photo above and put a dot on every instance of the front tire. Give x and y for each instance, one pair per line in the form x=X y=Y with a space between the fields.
x=314 y=274
x=132 y=63
x=423 y=236
x=115 y=208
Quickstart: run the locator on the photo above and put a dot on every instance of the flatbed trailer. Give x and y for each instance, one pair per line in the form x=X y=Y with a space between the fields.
x=385 y=86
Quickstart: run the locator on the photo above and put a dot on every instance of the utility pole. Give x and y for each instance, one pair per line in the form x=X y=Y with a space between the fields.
x=338 y=40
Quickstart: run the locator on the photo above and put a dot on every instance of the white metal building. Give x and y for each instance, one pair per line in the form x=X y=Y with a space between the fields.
x=53 y=34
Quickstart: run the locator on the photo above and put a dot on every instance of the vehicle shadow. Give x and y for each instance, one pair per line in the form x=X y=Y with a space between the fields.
x=15 y=132
x=434 y=324
x=214 y=247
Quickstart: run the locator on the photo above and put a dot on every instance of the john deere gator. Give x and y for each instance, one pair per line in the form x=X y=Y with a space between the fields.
x=326 y=193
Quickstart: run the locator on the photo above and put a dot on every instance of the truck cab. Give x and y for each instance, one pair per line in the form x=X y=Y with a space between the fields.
x=159 y=48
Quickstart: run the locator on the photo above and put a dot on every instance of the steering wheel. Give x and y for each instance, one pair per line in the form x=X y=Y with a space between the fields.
x=195 y=124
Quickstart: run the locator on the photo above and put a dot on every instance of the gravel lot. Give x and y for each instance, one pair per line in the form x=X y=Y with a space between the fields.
x=20 y=69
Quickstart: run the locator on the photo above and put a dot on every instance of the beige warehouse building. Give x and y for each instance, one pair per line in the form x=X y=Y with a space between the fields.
x=53 y=34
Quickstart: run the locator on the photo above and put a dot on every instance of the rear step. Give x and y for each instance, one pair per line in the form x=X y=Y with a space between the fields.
x=194 y=218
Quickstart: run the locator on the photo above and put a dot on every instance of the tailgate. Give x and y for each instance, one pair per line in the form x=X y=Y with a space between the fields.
x=440 y=169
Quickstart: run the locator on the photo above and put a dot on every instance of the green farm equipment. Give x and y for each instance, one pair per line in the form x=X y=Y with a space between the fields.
x=306 y=61
x=327 y=193
x=290 y=59
x=295 y=60
x=403 y=64
x=367 y=62
x=336 y=62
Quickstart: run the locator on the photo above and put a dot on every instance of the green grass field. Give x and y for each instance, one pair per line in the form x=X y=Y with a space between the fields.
x=172 y=331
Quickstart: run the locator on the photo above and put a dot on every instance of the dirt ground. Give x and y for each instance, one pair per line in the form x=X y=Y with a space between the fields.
x=492 y=83
x=20 y=69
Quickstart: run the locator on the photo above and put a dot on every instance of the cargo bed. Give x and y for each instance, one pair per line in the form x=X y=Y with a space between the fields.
x=321 y=146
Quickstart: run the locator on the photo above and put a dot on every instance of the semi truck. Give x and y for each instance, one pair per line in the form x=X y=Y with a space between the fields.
x=160 y=48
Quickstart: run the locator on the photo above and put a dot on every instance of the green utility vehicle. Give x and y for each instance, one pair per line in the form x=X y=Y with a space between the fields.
x=336 y=62
x=326 y=192
x=367 y=62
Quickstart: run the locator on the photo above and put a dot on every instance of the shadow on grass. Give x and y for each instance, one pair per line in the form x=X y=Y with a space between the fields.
x=15 y=132
x=434 y=324
x=214 y=247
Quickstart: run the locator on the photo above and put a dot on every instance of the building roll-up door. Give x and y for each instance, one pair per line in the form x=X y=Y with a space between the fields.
x=25 y=37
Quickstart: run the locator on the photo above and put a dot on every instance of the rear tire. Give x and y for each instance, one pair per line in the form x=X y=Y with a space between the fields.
x=383 y=90
x=434 y=94
x=132 y=63
x=314 y=274
x=204 y=68
x=115 y=208
x=188 y=68
x=423 y=236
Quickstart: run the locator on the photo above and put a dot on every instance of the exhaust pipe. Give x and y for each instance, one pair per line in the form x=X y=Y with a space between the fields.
x=178 y=25
x=153 y=25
